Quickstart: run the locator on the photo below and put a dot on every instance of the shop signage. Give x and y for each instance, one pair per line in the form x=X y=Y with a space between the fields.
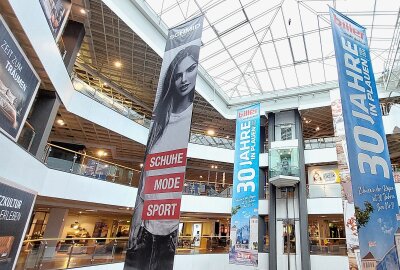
x=56 y=12
x=154 y=232
x=374 y=194
x=18 y=84
x=16 y=206
x=244 y=222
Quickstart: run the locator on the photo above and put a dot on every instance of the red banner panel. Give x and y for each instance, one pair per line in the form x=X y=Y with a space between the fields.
x=169 y=159
x=164 y=183
x=161 y=209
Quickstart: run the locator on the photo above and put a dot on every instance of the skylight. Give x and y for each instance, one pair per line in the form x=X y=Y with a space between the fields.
x=252 y=47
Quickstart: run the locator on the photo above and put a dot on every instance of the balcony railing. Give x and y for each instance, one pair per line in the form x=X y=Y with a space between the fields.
x=124 y=110
x=70 y=161
x=63 y=159
x=210 y=189
x=65 y=253
x=328 y=246
x=319 y=143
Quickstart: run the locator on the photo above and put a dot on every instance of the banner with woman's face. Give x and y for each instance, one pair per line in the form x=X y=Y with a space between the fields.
x=155 y=222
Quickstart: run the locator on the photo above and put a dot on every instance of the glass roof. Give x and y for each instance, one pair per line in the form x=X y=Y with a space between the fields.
x=251 y=47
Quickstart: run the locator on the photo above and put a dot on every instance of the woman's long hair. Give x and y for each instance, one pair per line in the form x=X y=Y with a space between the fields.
x=164 y=105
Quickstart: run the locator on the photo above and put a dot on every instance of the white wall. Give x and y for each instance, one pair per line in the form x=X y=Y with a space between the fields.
x=320 y=155
x=325 y=206
x=204 y=204
x=329 y=262
x=220 y=262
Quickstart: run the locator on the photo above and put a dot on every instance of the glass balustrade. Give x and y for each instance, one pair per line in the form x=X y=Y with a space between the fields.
x=201 y=188
x=328 y=246
x=65 y=253
x=319 y=143
x=63 y=159
x=124 y=110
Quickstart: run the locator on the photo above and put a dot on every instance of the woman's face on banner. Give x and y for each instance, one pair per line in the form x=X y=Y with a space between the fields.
x=185 y=76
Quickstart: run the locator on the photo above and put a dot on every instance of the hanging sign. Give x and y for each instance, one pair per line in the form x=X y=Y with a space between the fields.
x=244 y=222
x=16 y=204
x=374 y=194
x=18 y=84
x=154 y=230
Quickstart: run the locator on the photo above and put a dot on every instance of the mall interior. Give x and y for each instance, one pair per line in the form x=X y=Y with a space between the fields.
x=82 y=146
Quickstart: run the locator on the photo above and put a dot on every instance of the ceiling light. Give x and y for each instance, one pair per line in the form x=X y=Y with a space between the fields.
x=83 y=11
x=104 y=84
x=201 y=177
x=90 y=210
x=210 y=132
x=79 y=54
x=141 y=165
x=118 y=64
x=317 y=129
x=60 y=122
x=227 y=137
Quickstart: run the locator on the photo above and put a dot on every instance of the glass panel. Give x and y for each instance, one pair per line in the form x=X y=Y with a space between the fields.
x=289 y=236
x=284 y=162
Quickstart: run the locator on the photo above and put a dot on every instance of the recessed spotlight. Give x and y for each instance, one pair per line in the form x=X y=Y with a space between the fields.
x=227 y=137
x=210 y=132
x=79 y=54
x=83 y=11
x=80 y=212
x=60 y=122
x=317 y=129
x=201 y=177
x=118 y=64
x=102 y=153
x=105 y=84
x=141 y=165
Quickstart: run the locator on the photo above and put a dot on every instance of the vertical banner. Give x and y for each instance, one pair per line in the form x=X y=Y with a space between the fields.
x=350 y=223
x=374 y=194
x=56 y=12
x=16 y=206
x=18 y=84
x=244 y=223
x=154 y=231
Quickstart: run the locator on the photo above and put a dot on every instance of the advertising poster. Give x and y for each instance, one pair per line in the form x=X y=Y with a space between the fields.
x=18 y=84
x=16 y=206
x=375 y=201
x=56 y=12
x=244 y=223
x=352 y=243
x=154 y=231
x=323 y=175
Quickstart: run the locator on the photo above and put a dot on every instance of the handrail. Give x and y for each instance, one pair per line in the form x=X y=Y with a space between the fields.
x=102 y=160
x=75 y=239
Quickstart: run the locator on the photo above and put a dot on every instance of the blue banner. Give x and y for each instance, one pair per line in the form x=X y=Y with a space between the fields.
x=244 y=223
x=375 y=200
